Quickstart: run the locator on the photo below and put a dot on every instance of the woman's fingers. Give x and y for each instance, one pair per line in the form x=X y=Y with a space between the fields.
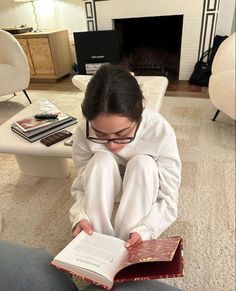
x=134 y=239
x=82 y=225
x=77 y=229
x=86 y=226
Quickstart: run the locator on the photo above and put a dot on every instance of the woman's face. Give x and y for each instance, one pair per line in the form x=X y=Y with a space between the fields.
x=111 y=126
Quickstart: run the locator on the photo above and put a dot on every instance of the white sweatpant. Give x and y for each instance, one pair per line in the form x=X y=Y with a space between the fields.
x=103 y=183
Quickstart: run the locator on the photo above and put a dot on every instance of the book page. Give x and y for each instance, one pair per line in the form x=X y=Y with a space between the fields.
x=97 y=252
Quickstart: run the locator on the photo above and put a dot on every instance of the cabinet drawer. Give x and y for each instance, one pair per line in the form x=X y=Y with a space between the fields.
x=48 y=53
x=41 y=56
x=24 y=45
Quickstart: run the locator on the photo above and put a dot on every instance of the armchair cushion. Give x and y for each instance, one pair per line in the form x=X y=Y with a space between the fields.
x=222 y=80
x=14 y=69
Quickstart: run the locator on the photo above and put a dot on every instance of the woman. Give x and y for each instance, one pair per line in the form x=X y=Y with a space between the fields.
x=123 y=153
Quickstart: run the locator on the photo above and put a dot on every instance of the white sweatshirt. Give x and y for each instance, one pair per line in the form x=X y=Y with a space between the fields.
x=155 y=137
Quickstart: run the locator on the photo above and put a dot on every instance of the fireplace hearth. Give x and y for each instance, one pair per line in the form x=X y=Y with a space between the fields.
x=151 y=45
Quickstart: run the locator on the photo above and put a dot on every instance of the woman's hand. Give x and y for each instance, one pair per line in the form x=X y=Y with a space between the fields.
x=82 y=225
x=135 y=238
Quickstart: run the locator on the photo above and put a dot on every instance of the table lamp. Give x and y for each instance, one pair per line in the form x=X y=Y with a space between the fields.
x=34 y=10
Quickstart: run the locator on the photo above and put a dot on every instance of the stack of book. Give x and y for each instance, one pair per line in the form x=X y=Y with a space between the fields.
x=32 y=129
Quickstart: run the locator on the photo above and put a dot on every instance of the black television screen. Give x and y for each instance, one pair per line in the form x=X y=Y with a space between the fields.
x=94 y=48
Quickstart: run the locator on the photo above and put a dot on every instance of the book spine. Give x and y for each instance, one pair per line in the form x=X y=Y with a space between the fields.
x=182 y=255
x=26 y=138
x=46 y=133
x=38 y=131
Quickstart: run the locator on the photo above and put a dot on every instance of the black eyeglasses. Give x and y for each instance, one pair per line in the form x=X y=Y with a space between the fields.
x=121 y=140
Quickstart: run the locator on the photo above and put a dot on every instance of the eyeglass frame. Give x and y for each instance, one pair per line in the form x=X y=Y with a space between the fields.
x=95 y=139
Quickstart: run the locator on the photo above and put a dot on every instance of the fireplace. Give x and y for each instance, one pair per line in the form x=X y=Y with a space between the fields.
x=199 y=22
x=151 y=45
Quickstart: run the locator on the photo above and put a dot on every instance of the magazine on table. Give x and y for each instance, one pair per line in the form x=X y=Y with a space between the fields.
x=29 y=123
x=35 y=135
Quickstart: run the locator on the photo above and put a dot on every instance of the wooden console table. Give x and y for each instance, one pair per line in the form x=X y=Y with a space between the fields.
x=48 y=53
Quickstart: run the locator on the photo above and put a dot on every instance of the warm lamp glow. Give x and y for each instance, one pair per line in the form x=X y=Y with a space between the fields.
x=35 y=15
x=23 y=0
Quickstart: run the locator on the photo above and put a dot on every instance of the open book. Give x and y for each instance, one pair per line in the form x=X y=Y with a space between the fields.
x=104 y=260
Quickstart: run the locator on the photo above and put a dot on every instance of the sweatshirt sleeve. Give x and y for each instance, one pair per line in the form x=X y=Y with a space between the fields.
x=164 y=210
x=80 y=154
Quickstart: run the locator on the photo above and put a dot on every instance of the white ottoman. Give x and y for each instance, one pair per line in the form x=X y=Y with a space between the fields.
x=153 y=88
x=35 y=159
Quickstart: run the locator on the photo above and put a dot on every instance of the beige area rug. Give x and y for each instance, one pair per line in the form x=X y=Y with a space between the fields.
x=35 y=210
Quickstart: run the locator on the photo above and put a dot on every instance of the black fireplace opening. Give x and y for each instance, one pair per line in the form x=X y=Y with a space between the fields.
x=150 y=45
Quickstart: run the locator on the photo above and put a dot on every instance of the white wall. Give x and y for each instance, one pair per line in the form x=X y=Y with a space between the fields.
x=52 y=14
x=225 y=17
x=233 y=24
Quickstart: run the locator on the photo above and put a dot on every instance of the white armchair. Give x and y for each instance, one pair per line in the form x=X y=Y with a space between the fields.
x=14 y=68
x=222 y=80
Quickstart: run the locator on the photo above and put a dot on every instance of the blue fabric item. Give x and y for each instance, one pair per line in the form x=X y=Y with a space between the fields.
x=137 y=286
x=24 y=268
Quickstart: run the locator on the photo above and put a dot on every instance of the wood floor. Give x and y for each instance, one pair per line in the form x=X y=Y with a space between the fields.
x=175 y=88
x=184 y=89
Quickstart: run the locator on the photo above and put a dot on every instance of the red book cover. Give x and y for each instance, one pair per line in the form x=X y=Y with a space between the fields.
x=154 y=259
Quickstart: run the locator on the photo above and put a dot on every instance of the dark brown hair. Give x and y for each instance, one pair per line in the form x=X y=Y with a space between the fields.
x=113 y=90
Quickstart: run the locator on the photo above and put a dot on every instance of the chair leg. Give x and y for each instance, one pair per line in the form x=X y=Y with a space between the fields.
x=216 y=114
x=27 y=96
